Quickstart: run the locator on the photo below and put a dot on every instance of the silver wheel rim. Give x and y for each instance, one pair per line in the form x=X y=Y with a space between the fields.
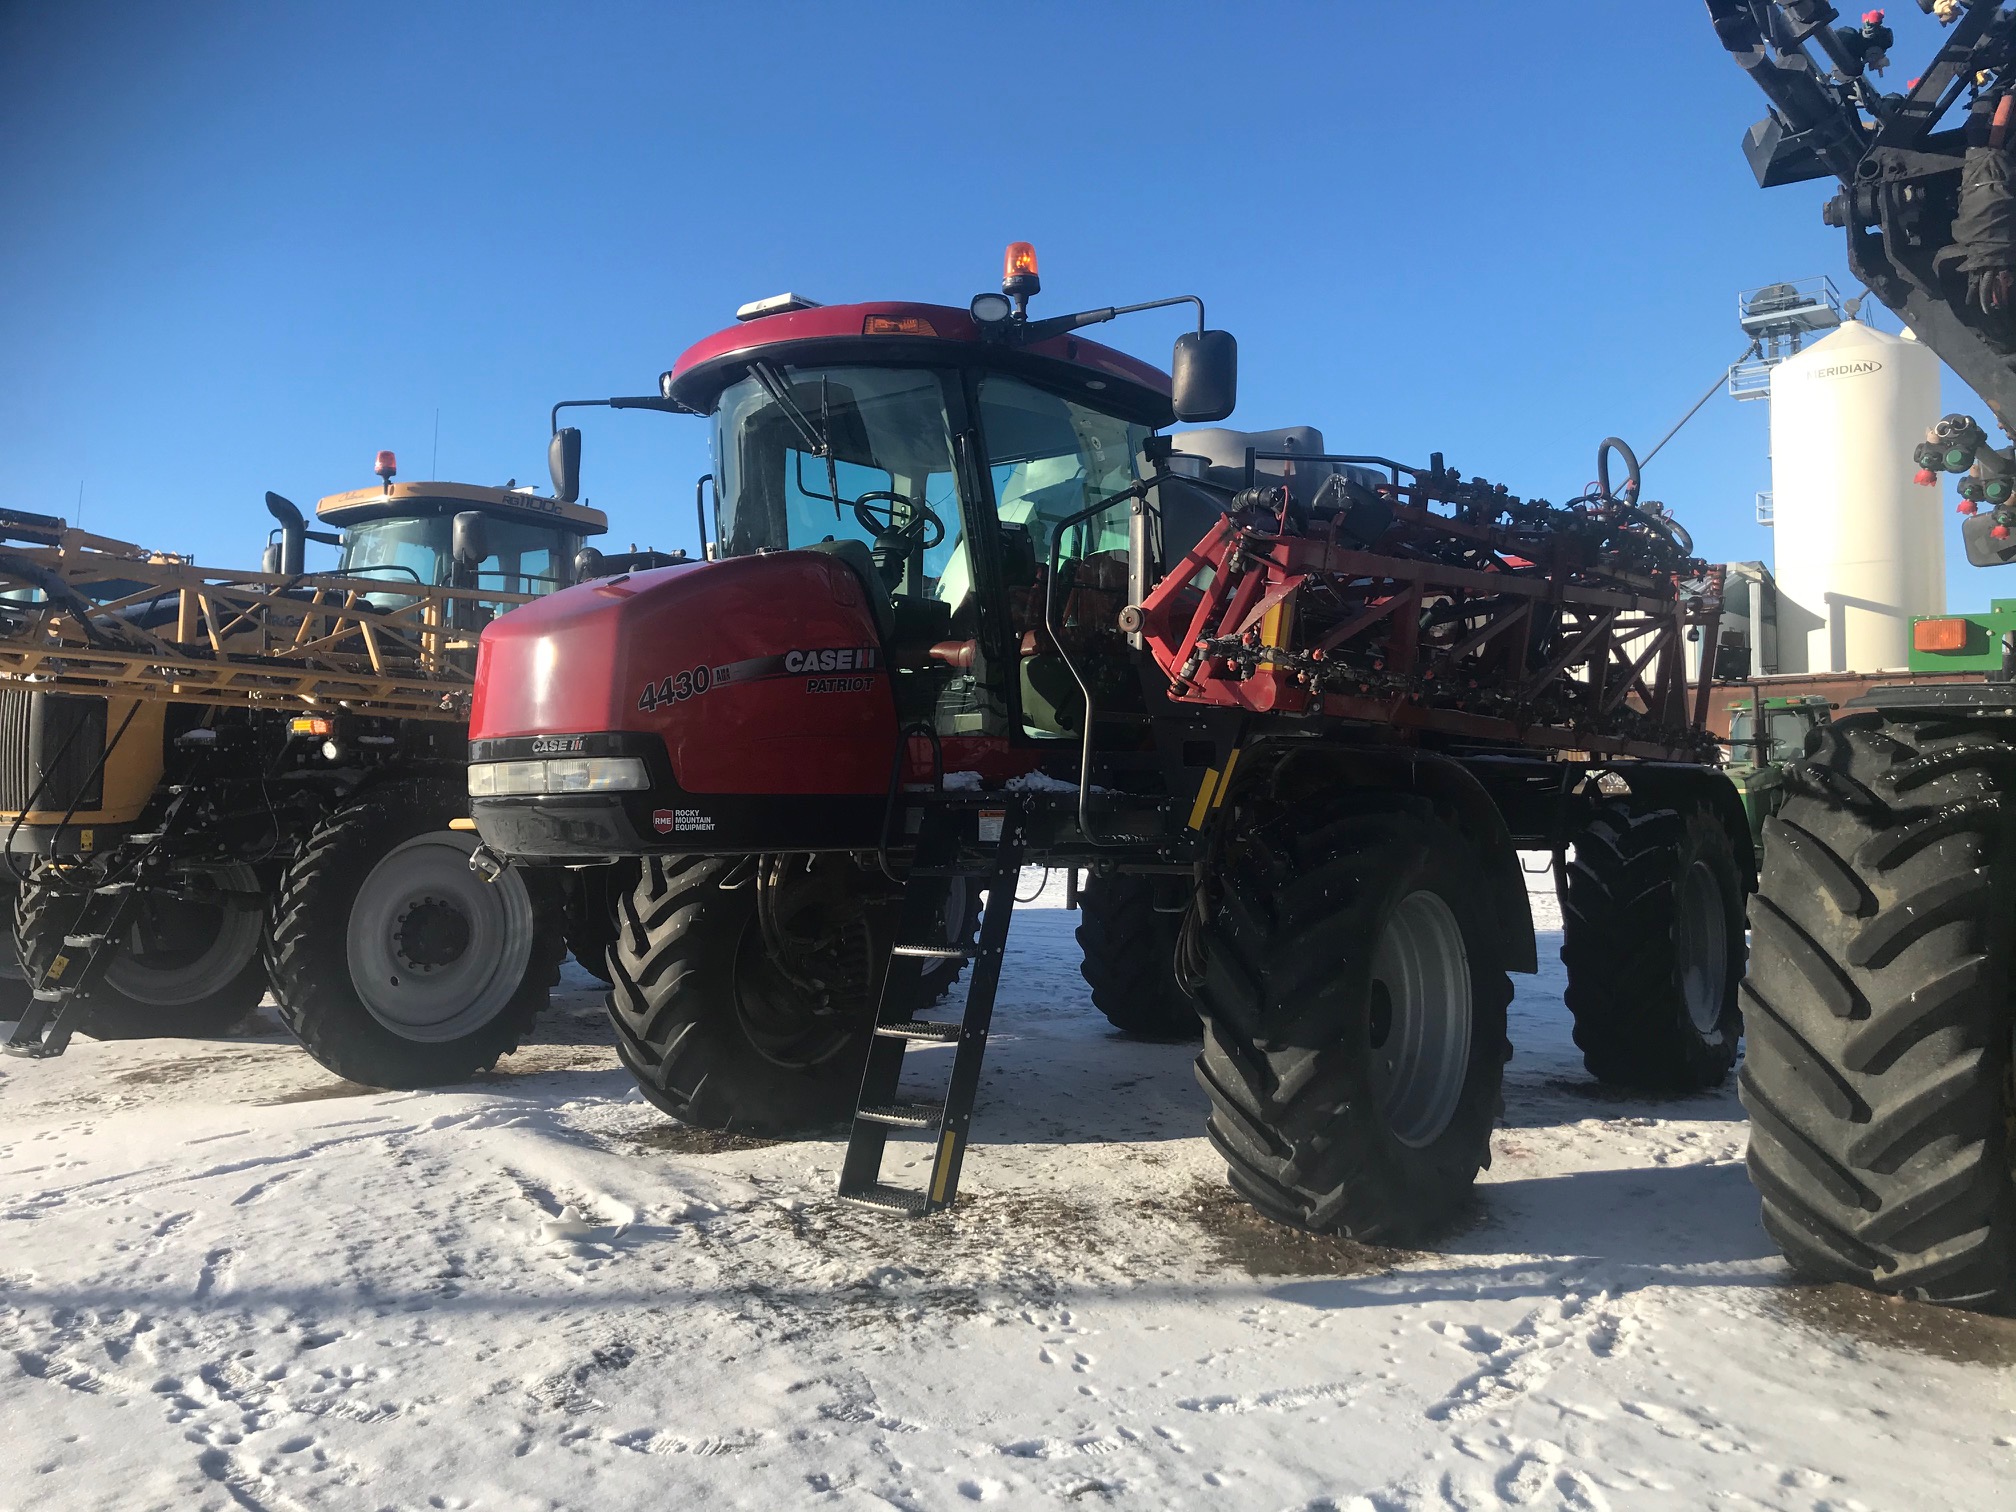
x=436 y=952
x=210 y=972
x=1704 y=946
x=1419 y=1023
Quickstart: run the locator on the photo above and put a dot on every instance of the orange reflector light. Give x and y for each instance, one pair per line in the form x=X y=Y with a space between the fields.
x=1939 y=635
x=311 y=726
x=1019 y=261
x=897 y=325
x=387 y=465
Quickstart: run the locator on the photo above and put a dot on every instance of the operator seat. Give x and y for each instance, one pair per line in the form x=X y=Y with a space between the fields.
x=862 y=563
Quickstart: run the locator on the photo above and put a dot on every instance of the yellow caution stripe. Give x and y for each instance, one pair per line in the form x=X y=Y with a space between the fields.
x=1211 y=792
x=946 y=1148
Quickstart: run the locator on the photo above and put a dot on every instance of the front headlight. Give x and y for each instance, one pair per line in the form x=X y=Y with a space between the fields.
x=566 y=774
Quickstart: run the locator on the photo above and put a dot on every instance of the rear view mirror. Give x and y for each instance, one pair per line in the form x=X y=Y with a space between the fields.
x=1204 y=376
x=1018 y=555
x=470 y=542
x=563 y=460
x=1983 y=549
x=587 y=564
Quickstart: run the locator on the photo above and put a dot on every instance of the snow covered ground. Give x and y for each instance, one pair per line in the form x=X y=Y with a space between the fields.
x=229 y=1280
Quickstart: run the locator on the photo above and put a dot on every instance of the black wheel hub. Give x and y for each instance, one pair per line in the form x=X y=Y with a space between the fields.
x=800 y=1011
x=1382 y=1015
x=430 y=934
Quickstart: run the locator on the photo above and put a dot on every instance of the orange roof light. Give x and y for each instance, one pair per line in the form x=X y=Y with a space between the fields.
x=1018 y=261
x=387 y=466
x=1939 y=635
x=897 y=325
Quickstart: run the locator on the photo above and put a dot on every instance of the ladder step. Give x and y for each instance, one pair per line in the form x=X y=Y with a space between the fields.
x=970 y=873
x=935 y=952
x=82 y=941
x=912 y=1115
x=889 y=1199
x=143 y=839
x=936 y=1034
x=52 y=994
x=113 y=889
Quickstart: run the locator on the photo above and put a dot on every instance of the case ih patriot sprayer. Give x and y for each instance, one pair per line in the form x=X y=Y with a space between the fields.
x=1293 y=712
x=213 y=782
x=1880 y=1003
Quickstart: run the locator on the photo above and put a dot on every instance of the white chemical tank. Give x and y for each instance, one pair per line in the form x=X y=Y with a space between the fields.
x=1857 y=543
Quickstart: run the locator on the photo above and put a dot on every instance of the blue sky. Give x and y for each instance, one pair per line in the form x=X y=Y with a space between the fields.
x=245 y=246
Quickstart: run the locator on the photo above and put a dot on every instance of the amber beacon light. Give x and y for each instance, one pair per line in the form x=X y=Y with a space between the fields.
x=1018 y=274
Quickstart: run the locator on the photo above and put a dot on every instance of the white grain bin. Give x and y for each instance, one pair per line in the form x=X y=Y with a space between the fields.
x=1857 y=542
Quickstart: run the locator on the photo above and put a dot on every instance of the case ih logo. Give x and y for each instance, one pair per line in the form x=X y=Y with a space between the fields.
x=547 y=745
x=838 y=659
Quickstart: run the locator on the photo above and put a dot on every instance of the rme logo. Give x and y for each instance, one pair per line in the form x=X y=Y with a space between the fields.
x=1848 y=369
x=839 y=659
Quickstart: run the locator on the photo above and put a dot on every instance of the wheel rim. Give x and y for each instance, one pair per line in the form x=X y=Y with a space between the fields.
x=183 y=950
x=1419 y=1023
x=435 y=952
x=1704 y=946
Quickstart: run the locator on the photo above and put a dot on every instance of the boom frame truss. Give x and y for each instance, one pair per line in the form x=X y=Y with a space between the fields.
x=311 y=643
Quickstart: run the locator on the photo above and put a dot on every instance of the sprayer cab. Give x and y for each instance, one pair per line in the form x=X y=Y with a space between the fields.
x=455 y=535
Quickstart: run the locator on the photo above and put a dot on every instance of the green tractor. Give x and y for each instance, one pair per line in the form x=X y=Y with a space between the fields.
x=1759 y=749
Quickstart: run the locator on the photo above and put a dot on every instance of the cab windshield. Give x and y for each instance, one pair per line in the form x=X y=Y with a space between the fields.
x=1784 y=734
x=523 y=558
x=888 y=462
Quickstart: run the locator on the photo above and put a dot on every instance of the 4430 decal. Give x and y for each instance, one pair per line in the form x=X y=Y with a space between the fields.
x=677 y=688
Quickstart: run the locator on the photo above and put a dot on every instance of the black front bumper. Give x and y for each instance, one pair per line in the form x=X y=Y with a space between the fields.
x=663 y=820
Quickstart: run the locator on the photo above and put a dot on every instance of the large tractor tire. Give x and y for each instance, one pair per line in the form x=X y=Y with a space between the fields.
x=1127 y=927
x=963 y=900
x=13 y=984
x=395 y=964
x=1354 y=1022
x=189 y=968
x=719 y=1031
x=1653 y=941
x=591 y=898
x=1880 y=1007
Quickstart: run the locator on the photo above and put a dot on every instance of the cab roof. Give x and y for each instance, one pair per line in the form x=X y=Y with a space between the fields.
x=899 y=331
x=390 y=499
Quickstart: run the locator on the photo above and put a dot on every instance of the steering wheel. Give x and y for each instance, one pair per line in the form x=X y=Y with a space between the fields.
x=919 y=532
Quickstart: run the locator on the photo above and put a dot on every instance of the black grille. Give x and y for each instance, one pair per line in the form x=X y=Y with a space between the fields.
x=50 y=745
x=17 y=757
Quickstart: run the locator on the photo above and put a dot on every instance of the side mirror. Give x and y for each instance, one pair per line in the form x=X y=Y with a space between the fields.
x=587 y=564
x=470 y=542
x=1018 y=555
x=269 y=561
x=563 y=460
x=1204 y=376
x=1983 y=550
